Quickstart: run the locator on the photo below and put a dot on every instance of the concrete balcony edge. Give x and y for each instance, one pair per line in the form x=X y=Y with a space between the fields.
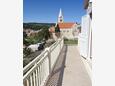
x=88 y=66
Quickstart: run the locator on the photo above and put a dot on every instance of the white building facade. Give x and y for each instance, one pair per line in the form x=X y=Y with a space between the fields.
x=85 y=37
x=67 y=30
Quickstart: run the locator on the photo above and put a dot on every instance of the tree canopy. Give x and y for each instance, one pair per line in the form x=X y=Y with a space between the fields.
x=57 y=29
x=42 y=35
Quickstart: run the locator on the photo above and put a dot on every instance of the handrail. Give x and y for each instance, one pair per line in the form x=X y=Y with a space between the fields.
x=39 y=57
x=38 y=70
x=34 y=61
x=36 y=64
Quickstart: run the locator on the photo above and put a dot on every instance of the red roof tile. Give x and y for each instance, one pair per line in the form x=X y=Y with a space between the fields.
x=65 y=25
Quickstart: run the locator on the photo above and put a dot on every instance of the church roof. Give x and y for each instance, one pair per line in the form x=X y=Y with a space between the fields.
x=65 y=25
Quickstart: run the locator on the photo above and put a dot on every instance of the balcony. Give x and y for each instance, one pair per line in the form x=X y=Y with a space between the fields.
x=58 y=65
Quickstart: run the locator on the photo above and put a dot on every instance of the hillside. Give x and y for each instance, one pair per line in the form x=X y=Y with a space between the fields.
x=36 y=26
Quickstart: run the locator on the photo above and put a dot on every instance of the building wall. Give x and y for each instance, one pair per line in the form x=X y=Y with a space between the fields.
x=70 y=33
x=67 y=33
x=84 y=41
x=85 y=37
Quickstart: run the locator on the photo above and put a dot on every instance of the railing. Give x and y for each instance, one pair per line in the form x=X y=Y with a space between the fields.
x=36 y=72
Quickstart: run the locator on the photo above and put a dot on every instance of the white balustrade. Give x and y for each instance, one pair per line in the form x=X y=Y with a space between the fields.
x=37 y=71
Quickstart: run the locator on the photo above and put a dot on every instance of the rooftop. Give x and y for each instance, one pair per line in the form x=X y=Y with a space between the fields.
x=65 y=25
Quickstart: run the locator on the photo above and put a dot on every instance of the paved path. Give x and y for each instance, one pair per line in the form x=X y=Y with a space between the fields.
x=69 y=69
x=75 y=73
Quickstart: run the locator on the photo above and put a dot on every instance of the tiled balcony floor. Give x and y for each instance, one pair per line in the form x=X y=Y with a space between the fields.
x=69 y=69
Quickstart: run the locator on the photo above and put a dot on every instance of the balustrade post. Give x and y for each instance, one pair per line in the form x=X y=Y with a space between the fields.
x=61 y=43
x=49 y=58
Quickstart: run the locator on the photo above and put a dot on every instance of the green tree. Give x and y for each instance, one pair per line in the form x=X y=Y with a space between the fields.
x=57 y=29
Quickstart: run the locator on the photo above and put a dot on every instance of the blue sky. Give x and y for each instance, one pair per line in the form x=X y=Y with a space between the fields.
x=46 y=11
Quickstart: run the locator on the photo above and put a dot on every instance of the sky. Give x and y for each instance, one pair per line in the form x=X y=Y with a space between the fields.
x=47 y=11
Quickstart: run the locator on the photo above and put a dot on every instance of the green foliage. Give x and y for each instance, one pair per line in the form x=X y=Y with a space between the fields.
x=43 y=34
x=26 y=52
x=36 y=26
x=31 y=40
x=40 y=36
x=70 y=41
x=24 y=35
x=57 y=29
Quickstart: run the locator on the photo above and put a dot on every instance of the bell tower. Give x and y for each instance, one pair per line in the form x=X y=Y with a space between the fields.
x=60 y=17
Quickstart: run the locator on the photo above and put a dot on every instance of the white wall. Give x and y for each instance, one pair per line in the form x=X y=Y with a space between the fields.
x=84 y=40
x=67 y=33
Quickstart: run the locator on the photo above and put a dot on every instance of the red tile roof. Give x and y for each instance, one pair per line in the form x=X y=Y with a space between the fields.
x=65 y=25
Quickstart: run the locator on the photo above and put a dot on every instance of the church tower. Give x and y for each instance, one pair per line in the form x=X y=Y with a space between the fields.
x=60 y=17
